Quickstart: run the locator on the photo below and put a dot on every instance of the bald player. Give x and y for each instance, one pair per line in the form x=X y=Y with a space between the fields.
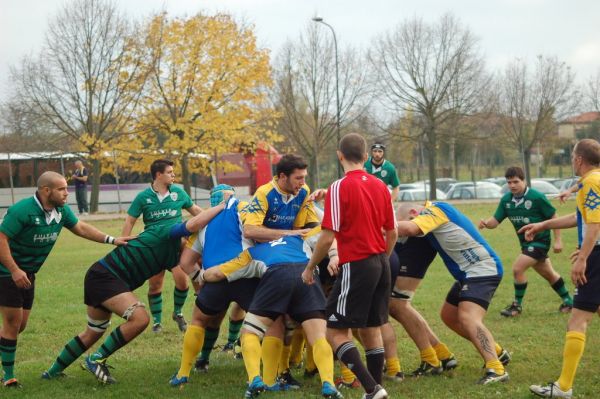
x=27 y=234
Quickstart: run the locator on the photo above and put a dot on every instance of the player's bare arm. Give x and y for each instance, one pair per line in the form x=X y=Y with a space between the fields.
x=19 y=276
x=85 y=230
x=563 y=222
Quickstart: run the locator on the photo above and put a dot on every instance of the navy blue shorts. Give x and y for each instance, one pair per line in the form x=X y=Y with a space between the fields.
x=215 y=298
x=479 y=290
x=536 y=253
x=587 y=296
x=414 y=256
x=12 y=296
x=281 y=291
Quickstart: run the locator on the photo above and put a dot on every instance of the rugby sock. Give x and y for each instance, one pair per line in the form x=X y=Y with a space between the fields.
x=112 y=344
x=251 y=352
x=210 y=337
x=349 y=355
x=310 y=359
x=284 y=360
x=192 y=342
x=179 y=297
x=430 y=356
x=347 y=375
x=520 y=289
x=72 y=350
x=155 y=301
x=298 y=341
x=561 y=290
x=498 y=349
x=442 y=351
x=496 y=365
x=234 y=330
x=323 y=356
x=392 y=366
x=8 y=351
x=375 y=359
x=271 y=353
x=574 y=345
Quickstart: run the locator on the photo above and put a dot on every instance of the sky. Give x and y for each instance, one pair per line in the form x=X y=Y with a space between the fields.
x=506 y=29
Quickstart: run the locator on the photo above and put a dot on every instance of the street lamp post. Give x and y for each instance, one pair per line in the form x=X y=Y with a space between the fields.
x=337 y=86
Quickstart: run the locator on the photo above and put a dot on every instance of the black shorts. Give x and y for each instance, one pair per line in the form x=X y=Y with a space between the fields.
x=587 y=296
x=479 y=290
x=100 y=284
x=326 y=279
x=281 y=291
x=215 y=298
x=361 y=294
x=536 y=253
x=415 y=256
x=12 y=296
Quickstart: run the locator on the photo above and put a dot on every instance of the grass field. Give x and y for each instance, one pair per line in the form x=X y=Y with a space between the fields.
x=143 y=367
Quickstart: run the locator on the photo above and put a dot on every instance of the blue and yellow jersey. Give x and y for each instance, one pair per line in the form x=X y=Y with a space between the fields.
x=274 y=209
x=464 y=251
x=255 y=261
x=588 y=202
x=222 y=239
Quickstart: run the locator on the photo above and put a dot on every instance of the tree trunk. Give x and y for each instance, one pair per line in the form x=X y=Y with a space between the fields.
x=95 y=194
x=526 y=165
x=431 y=144
x=185 y=174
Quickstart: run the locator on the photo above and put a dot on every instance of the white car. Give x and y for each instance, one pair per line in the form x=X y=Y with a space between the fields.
x=418 y=194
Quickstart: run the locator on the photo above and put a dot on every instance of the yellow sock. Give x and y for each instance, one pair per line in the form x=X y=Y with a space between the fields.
x=428 y=355
x=347 y=375
x=442 y=351
x=574 y=345
x=284 y=360
x=192 y=343
x=323 y=355
x=251 y=352
x=498 y=350
x=496 y=365
x=298 y=340
x=310 y=360
x=271 y=353
x=392 y=366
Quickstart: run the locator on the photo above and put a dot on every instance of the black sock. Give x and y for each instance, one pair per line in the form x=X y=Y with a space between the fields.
x=348 y=354
x=375 y=360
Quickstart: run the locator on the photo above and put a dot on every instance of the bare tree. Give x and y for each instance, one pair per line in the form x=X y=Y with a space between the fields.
x=434 y=70
x=85 y=82
x=592 y=91
x=531 y=101
x=305 y=92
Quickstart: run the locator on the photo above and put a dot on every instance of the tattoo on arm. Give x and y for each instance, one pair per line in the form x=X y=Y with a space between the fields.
x=484 y=341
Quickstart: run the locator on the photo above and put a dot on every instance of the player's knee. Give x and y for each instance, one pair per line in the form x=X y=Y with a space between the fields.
x=404 y=296
x=254 y=325
x=136 y=314
x=22 y=326
x=97 y=326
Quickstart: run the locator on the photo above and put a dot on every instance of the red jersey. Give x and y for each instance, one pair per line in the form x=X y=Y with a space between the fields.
x=358 y=208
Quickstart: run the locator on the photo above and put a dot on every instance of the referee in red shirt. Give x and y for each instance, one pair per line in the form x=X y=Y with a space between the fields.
x=358 y=208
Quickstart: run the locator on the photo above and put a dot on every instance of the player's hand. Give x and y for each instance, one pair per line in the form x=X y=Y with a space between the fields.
x=20 y=278
x=299 y=232
x=578 y=272
x=563 y=196
x=482 y=224
x=318 y=195
x=530 y=230
x=557 y=247
x=333 y=266
x=308 y=276
x=574 y=255
x=123 y=240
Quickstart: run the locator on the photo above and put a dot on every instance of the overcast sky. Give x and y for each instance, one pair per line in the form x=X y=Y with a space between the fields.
x=506 y=28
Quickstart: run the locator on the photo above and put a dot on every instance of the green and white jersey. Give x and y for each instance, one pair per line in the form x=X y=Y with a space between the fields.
x=32 y=232
x=386 y=172
x=154 y=250
x=532 y=207
x=159 y=210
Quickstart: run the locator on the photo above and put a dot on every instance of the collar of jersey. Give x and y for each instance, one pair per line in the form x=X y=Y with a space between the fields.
x=376 y=168
x=50 y=215
x=582 y=178
x=284 y=196
x=158 y=194
x=519 y=200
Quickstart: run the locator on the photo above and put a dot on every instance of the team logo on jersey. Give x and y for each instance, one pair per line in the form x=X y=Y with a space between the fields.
x=465 y=287
x=148 y=200
x=528 y=204
x=383 y=173
x=277 y=242
x=364 y=178
x=508 y=204
x=592 y=200
x=37 y=220
x=253 y=207
x=45 y=238
x=526 y=220
x=530 y=249
x=174 y=196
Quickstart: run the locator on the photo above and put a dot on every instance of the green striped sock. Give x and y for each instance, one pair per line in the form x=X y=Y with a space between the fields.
x=234 y=330
x=179 y=297
x=561 y=290
x=520 y=289
x=210 y=337
x=8 y=351
x=72 y=350
x=155 y=301
x=113 y=343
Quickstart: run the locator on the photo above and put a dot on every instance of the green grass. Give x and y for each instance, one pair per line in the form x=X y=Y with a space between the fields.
x=144 y=366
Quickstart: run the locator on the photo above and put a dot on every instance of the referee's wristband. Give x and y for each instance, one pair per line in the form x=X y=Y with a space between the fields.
x=109 y=239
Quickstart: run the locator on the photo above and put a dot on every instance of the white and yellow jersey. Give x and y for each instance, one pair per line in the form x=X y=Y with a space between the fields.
x=588 y=202
x=464 y=251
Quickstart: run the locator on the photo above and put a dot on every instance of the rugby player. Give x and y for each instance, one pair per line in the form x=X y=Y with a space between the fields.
x=476 y=268
x=108 y=288
x=383 y=169
x=524 y=205
x=160 y=205
x=27 y=235
x=585 y=270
